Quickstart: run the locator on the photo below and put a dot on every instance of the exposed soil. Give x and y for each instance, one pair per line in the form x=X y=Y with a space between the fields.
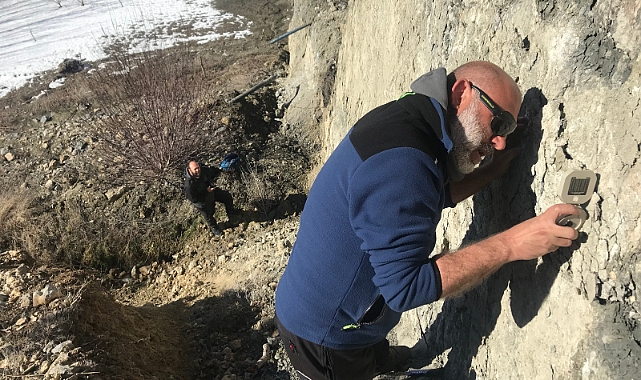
x=201 y=311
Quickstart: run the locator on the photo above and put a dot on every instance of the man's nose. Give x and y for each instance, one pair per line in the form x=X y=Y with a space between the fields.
x=499 y=142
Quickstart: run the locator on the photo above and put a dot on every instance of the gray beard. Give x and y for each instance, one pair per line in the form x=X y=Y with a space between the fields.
x=467 y=136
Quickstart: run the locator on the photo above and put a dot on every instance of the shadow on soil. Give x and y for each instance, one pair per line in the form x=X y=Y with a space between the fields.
x=212 y=338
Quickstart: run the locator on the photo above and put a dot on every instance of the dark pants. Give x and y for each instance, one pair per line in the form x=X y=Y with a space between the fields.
x=316 y=362
x=208 y=207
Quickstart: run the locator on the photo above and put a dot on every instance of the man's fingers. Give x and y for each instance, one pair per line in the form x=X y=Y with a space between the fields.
x=562 y=242
x=559 y=210
x=506 y=155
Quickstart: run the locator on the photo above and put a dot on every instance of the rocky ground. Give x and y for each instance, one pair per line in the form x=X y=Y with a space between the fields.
x=193 y=305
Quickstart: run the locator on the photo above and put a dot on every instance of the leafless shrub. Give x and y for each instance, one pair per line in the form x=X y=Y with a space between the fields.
x=153 y=105
x=258 y=189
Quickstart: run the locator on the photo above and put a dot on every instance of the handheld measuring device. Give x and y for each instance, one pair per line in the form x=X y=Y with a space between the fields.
x=577 y=187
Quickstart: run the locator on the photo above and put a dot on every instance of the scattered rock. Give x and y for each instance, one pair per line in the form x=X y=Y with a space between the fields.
x=113 y=273
x=22 y=270
x=48 y=347
x=145 y=270
x=235 y=344
x=46 y=295
x=44 y=366
x=65 y=346
x=115 y=194
x=70 y=66
x=25 y=301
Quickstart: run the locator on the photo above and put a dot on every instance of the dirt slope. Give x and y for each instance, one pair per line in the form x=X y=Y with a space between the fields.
x=203 y=311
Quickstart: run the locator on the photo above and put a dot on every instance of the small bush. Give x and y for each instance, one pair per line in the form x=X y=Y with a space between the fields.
x=259 y=191
x=87 y=238
x=153 y=106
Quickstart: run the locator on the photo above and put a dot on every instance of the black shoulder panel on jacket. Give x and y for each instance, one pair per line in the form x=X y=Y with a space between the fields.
x=410 y=122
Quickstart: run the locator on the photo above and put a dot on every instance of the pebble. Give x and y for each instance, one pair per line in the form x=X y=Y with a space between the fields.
x=62 y=347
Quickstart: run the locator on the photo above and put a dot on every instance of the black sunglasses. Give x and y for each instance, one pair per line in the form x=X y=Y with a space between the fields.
x=503 y=122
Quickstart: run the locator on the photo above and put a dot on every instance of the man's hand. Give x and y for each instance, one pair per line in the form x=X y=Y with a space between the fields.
x=527 y=240
x=540 y=235
x=500 y=163
x=483 y=175
x=210 y=188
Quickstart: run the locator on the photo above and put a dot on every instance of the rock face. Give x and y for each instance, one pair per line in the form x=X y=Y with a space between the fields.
x=575 y=313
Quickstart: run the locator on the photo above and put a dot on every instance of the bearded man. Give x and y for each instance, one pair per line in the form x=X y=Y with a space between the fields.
x=203 y=194
x=363 y=254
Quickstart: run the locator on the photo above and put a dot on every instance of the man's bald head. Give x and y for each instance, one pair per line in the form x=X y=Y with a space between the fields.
x=494 y=81
x=194 y=169
x=470 y=120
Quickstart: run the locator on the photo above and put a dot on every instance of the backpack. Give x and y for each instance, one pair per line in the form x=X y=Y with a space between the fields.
x=230 y=163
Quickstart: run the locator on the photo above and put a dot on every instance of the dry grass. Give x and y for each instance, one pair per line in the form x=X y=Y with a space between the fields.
x=75 y=235
x=86 y=238
x=16 y=213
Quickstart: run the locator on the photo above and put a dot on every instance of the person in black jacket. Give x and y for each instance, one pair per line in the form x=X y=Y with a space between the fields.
x=202 y=193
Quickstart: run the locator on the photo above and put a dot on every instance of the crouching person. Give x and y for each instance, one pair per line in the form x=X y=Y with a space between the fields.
x=202 y=193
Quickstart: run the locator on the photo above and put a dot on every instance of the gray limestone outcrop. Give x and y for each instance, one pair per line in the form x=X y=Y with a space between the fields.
x=574 y=314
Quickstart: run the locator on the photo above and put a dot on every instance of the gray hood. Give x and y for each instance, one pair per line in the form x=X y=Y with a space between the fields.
x=434 y=85
x=187 y=174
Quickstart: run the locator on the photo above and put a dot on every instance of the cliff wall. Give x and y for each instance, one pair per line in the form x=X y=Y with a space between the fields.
x=575 y=314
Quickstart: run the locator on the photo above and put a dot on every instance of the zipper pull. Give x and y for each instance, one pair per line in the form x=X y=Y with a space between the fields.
x=353 y=326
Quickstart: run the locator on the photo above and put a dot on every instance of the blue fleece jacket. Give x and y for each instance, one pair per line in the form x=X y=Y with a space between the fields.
x=361 y=257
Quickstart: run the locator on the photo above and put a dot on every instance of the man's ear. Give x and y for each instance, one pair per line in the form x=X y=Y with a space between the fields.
x=460 y=95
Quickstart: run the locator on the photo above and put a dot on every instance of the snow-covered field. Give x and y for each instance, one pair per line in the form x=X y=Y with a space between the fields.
x=37 y=35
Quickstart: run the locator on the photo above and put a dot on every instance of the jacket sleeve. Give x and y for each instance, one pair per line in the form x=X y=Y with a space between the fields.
x=192 y=192
x=188 y=190
x=211 y=173
x=396 y=198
